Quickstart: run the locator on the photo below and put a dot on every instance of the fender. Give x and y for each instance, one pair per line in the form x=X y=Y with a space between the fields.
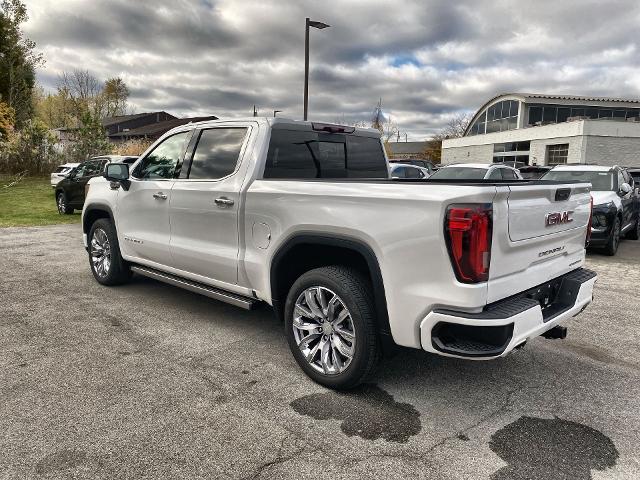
x=345 y=242
x=95 y=207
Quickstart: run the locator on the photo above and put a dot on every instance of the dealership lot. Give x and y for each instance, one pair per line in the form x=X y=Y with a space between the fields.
x=149 y=381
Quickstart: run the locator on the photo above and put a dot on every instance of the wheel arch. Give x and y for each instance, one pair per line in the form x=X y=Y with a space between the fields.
x=302 y=252
x=94 y=212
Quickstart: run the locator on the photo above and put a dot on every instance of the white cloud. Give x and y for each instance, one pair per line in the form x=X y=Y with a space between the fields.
x=426 y=60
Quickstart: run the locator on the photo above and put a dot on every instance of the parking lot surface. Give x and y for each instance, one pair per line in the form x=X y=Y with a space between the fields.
x=149 y=381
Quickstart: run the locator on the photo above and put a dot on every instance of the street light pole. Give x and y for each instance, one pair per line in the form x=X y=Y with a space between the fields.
x=319 y=25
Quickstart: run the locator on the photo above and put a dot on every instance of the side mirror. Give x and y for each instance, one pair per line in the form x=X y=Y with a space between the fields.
x=117 y=173
x=625 y=189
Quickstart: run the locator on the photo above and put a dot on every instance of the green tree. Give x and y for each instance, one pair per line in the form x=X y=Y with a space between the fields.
x=91 y=138
x=29 y=150
x=7 y=120
x=18 y=61
x=115 y=94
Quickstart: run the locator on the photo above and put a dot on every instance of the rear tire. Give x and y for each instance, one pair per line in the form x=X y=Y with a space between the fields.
x=106 y=263
x=614 y=239
x=63 y=204
x=338 y=332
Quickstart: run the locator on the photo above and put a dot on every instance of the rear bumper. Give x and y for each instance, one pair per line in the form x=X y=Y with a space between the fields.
x=508 y=323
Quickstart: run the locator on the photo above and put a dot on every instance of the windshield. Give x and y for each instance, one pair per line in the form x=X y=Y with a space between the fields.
x=459 y=173
x=601 y=181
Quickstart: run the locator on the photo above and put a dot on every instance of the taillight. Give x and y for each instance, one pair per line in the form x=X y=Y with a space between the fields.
x=468 y=230
x=588 y=237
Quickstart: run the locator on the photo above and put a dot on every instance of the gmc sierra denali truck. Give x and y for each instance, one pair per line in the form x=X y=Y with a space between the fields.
x=304 y=217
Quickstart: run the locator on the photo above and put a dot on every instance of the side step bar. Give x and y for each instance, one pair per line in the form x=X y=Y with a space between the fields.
x=196 y=287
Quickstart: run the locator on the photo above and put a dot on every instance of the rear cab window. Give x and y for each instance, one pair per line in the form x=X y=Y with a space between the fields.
x=306 y=154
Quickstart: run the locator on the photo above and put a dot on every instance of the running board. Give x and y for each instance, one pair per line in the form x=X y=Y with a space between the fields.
x=206 y=290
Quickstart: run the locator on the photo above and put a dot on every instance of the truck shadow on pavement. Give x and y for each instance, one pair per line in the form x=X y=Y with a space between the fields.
x=553 y=449
x=367 y=411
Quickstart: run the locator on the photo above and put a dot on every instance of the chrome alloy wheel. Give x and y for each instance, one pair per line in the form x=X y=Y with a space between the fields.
x=100 y=252
x=61 y=204
x=324 y=330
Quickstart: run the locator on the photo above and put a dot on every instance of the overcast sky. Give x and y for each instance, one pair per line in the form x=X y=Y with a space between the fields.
x=427 y=60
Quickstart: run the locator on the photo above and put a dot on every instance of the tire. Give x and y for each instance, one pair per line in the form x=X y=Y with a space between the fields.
x=634 y=234
x=106 y=263
x=353 y=295
x=614 y=239
x=63 y=204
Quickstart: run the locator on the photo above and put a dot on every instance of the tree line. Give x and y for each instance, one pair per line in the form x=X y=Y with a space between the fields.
x=28 y=114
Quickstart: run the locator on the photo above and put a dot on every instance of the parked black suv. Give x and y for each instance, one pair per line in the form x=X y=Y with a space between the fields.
x=70 y=190
x=616 y=203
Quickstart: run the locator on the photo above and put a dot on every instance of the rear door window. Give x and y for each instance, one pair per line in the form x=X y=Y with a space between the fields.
x=307 y=154
x=508 y=174
x=495 y=174
x=216 y=153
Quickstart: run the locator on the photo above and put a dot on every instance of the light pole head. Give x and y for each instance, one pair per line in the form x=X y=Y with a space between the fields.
x=320 y=25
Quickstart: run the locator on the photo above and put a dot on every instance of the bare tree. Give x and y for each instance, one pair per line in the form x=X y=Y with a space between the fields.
x=83 y=89
x=388 y=129
x=455 y=127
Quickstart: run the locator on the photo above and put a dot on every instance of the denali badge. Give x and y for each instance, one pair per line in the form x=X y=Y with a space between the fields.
x=544 y=253
x=557 y=218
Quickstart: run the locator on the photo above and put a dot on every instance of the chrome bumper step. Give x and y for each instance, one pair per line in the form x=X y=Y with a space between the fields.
x=212 y=292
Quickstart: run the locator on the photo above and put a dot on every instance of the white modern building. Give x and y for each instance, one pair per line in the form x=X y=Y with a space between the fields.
x=550 y=130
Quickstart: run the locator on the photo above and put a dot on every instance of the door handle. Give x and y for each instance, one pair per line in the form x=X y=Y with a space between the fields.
x=223 y=201
x=160 y=196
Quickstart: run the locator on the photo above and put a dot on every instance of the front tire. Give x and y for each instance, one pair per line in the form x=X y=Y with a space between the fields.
x=106 y=263
x=634 y=234
x=63 y=204
x=614 y=239
x=330 y=325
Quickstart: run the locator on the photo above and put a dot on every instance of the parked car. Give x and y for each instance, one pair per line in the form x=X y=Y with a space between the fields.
x=416 y=162
x=635 y=174
x=70 y=190
x=616 y=203
x=532 y=172
x=401 y=170
x=304 y=217
x=61 y=172
x=513 y=164
x=476 y=171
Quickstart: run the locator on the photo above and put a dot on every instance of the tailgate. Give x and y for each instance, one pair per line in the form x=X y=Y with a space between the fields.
x=538 y=234
x=538 y=210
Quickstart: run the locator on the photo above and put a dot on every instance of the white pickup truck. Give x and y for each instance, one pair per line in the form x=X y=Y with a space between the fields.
x=304 y=217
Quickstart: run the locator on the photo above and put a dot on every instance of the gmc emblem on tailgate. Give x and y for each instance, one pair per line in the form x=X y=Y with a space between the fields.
x=556 y=218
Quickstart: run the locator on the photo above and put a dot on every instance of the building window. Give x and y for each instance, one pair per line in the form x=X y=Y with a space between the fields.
x=557 y=154
x=499 y=117
x=511 y=152
x=550 y=114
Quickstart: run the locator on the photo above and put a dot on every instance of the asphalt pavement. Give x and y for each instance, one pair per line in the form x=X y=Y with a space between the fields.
x=150 y=381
